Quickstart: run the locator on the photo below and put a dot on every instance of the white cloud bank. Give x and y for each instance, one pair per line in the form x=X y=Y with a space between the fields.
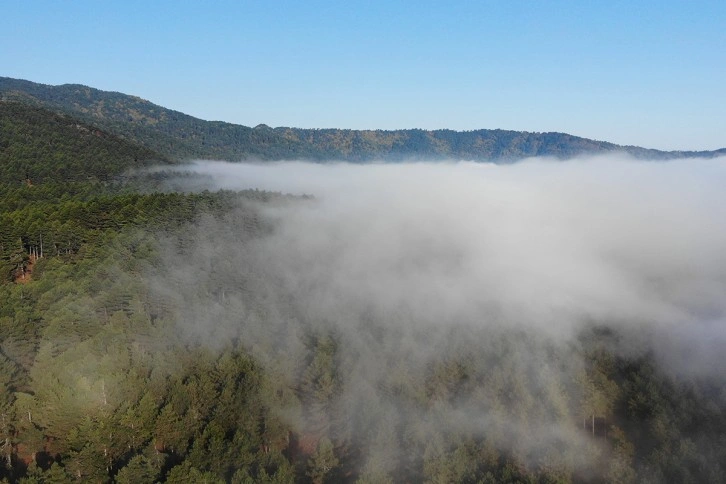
x=413 y=265
x=541 y=244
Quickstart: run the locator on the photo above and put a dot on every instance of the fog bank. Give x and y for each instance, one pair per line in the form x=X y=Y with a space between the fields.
x=413 y=269
x=540 y=244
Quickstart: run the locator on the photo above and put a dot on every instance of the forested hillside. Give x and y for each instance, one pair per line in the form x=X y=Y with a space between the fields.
x=109 y=373
x=74 y=245
x=180 y=136
x=37 y=145
x=151 y=336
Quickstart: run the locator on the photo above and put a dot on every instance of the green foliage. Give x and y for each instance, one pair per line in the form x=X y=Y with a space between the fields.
x=38 y=146
x=323 y=462
x=139 y=470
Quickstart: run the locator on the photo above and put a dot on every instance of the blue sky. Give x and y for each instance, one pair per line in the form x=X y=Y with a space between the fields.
x=638 y=72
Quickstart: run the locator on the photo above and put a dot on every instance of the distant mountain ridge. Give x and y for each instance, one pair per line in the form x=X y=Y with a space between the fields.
x=180 y=136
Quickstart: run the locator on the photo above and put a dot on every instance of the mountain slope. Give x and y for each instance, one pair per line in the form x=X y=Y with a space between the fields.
x=169 y=132
x=39 y=145
x=181 y=136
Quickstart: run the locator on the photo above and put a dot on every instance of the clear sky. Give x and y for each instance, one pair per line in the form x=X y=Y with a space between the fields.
x=649 y=73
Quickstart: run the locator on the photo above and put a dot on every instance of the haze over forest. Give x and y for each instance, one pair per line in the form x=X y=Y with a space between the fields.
x=351 y=306
x=542 y=246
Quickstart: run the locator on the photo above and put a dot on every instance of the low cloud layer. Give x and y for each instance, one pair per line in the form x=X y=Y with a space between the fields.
x=421 y=264
x=541 y=244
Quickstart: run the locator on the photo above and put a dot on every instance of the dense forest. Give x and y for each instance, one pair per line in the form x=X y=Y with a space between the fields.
x=37 y=145
x=180 y=136
x=150 y=335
